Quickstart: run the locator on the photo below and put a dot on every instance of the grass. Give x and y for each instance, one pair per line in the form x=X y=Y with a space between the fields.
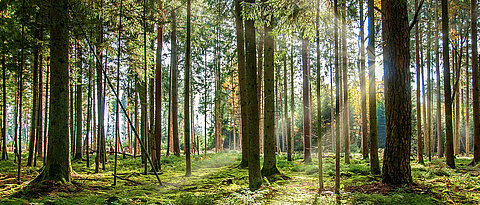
x=217 y=179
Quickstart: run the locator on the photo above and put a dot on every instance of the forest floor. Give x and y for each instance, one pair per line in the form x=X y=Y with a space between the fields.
x=217 y=179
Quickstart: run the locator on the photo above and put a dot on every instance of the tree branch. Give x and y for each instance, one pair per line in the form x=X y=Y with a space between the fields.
x=415 y=18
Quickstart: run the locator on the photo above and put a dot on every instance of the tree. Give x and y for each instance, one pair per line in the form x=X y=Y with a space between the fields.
x=270 y=162
x=57 y=167
x=241 y=78
x=398 y=106
x=337 y=102
x=34 y=115
x=158 y=92
x=475 y=84
x=188 y=55
x=176 y=144
x=306 y=99
x=252 y=121
x=100 y=155
x=372 y=100
x=439 y=100
x=346 y=112
x=319 y=103
x=363 y=103
x=418 y=106
x=448 y=92
x=78 y=105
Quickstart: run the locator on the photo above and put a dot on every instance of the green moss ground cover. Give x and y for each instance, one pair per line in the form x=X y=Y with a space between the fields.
x=217 y=179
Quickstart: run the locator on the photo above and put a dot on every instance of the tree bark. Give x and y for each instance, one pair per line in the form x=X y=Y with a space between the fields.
x=363 y=93
x=188 y=170
x=306 y=99
x=448 y=92
x=78 y=104
x=337 y=102
x=475 y=84
x=319 y=102
x=158 y=92
x=372 y=99
x=270 y=162
x=176 y=143
x=251 y=104
x=57 y=165
x=418 y=106
x=346 y=110
x=4 y=121
x=34 y=113
x=398 y=106
x=439 y=99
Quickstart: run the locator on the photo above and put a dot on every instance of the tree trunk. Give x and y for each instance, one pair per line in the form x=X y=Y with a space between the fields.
x=34 y=113
x=306 y=99
x=39 y=134
x=448 y=92
x=4 y=121
x=78 y=104
x=270 y=162
x=418 y=106
x=346 y=110
x=372 y=99
x=398 y=106
x=251 y=104
x=186 y=99
x=176 y=143
x=475 y=84
x=363 y=100
x=100 y=99
x=429 y=90
x=158 y=92
x=57 y=165
x=319 y=103
x=337 y=102
x=439 y=99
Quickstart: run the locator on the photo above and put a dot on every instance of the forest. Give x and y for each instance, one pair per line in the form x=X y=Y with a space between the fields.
x=239 y=102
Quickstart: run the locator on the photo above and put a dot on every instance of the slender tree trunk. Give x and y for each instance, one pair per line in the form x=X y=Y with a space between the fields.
x=319 y=103
x=46 y=114
x=429 y=90
x=259 y=88
x=439 y=99
x=286 y=137
x=363 y=100
x=89 y=113
x=100 y=98
x=337 y=102
x=78 y=105
x=418 y=106
x=372 y=99
x=306 y=100
x=71 y=113
x=186 y=106
x=117 y=103
x=20 y=93
x=4 y=121
x=39 y=134
x=176 y=143
x=448 y=92
x=34 y=113
x=475 y=84
x=57 y=165
x=398 y=106
x=346 y=110
x=158 y=92
x=467 y=109
x=251 y=105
